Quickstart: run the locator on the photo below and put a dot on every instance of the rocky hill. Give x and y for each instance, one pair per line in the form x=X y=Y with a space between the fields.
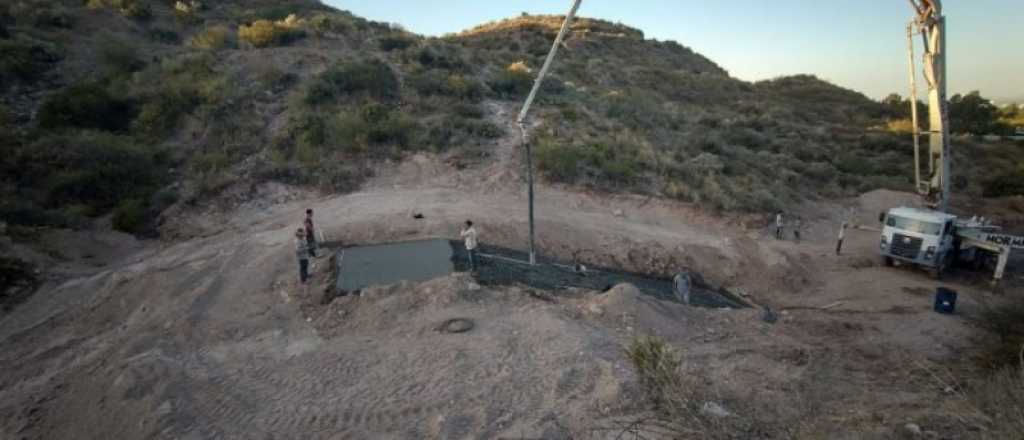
x=133 y=107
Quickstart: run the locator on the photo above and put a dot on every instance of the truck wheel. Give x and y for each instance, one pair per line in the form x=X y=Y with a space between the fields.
x=887 y=261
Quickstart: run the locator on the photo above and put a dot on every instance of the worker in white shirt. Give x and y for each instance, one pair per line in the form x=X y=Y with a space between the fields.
x=469 y=234
x=842 y=234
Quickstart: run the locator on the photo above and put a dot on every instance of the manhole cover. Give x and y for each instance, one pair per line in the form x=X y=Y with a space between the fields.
x=457 y=325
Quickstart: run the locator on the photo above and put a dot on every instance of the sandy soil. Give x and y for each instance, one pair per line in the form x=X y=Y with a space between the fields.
x=212 y=337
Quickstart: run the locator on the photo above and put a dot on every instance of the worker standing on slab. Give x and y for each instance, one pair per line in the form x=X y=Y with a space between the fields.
x=310 y=237
x=469 y=234
x=842 y=235
x=778 y=226
x=302 y=253
x=682 y=284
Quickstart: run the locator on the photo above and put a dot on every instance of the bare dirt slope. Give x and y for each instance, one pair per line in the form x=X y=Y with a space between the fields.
x=213 y=338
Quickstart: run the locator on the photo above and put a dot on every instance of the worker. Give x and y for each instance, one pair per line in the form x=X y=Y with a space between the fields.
x=842 y=234
x=469 y=234
x=778 y=226
x=310 y=237
x=797 y=223
x=682 y=284
x=302 y=253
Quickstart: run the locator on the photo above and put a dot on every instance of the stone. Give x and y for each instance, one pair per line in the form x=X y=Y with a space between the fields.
x=473 y=287
x=714 y=409
x=619 y=213
x=595 y=309
x=911 y=430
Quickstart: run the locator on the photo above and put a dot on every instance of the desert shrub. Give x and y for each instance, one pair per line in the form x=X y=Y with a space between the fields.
x=373 y=78
x=175 y=88
x=439 y=82
x=599 y=164
x=514 y=81
x=137 y=9
x=163 y=36
x=467 y=110
x=130 y=216
x=119 y=57
x=324 y=24
x=271 y=77
x=187 y=11
x=677 y=402
x=86 y=105
x=266 y=33
x=441 y=56
x=1005 y=184
x=42 y=14
x=95 y=169
x=396 y=41
x=213 y=38
x=24 y=60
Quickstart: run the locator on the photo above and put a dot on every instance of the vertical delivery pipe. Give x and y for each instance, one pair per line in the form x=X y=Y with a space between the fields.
x=521 y=120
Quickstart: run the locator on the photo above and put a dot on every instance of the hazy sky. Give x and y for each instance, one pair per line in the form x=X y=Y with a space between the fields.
x=859 y=44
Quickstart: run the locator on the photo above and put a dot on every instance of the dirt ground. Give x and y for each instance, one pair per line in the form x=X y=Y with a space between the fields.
x=211 y=336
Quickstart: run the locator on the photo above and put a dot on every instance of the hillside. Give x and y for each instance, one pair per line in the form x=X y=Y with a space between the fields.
x=196 y=104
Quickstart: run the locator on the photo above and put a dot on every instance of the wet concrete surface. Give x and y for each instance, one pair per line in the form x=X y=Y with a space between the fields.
x=383 y=264
x=363 y=266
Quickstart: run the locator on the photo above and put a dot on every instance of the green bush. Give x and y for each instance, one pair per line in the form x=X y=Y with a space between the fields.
x=136 y=9
x=86 y=105
x=392 y=42
x=373 y=78
x=1006 y=184
x=441 y=56
x=512 y=82
x=119 y=57
x=95 y=169
x=439 y=82
x=266 y=33
x=600 y=163
x=163 y=36
x=323 y=24
x=213 y=38
x=130 y=216
x=23 y=60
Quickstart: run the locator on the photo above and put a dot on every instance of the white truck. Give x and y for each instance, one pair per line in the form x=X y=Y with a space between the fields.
x=933 y=238
x=937 y=240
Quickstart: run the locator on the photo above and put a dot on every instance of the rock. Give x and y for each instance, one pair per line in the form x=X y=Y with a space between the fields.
x=911 y=430
x=714 y=409
x=619 y=213
x=595 y=309
x=473 y=287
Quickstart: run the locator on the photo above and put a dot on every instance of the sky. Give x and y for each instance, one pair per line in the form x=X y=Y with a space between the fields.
x=858 y=44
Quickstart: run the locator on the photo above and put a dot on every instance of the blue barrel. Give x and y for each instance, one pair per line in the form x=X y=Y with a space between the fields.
x=945 y=301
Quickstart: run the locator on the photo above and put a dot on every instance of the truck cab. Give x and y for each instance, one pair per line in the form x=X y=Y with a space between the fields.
x=918 y=236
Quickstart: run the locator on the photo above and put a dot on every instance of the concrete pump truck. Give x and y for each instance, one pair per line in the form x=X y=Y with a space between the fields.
x=933 y=238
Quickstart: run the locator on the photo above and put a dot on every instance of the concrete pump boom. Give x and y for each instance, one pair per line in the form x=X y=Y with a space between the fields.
x=931 y=25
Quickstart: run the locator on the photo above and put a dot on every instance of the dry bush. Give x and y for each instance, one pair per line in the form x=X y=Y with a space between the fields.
x=266 y=33
x=682 y=405
x=213 y=38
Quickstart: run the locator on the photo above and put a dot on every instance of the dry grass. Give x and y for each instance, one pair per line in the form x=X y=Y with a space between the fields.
x=682 y=404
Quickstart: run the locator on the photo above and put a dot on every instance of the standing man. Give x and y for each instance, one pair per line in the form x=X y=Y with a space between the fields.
x=310 y=237
x=302 y=253
x=842 y=234
x=469 y=234
x=778 y=226
x=682 y=284
x=797 y=223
